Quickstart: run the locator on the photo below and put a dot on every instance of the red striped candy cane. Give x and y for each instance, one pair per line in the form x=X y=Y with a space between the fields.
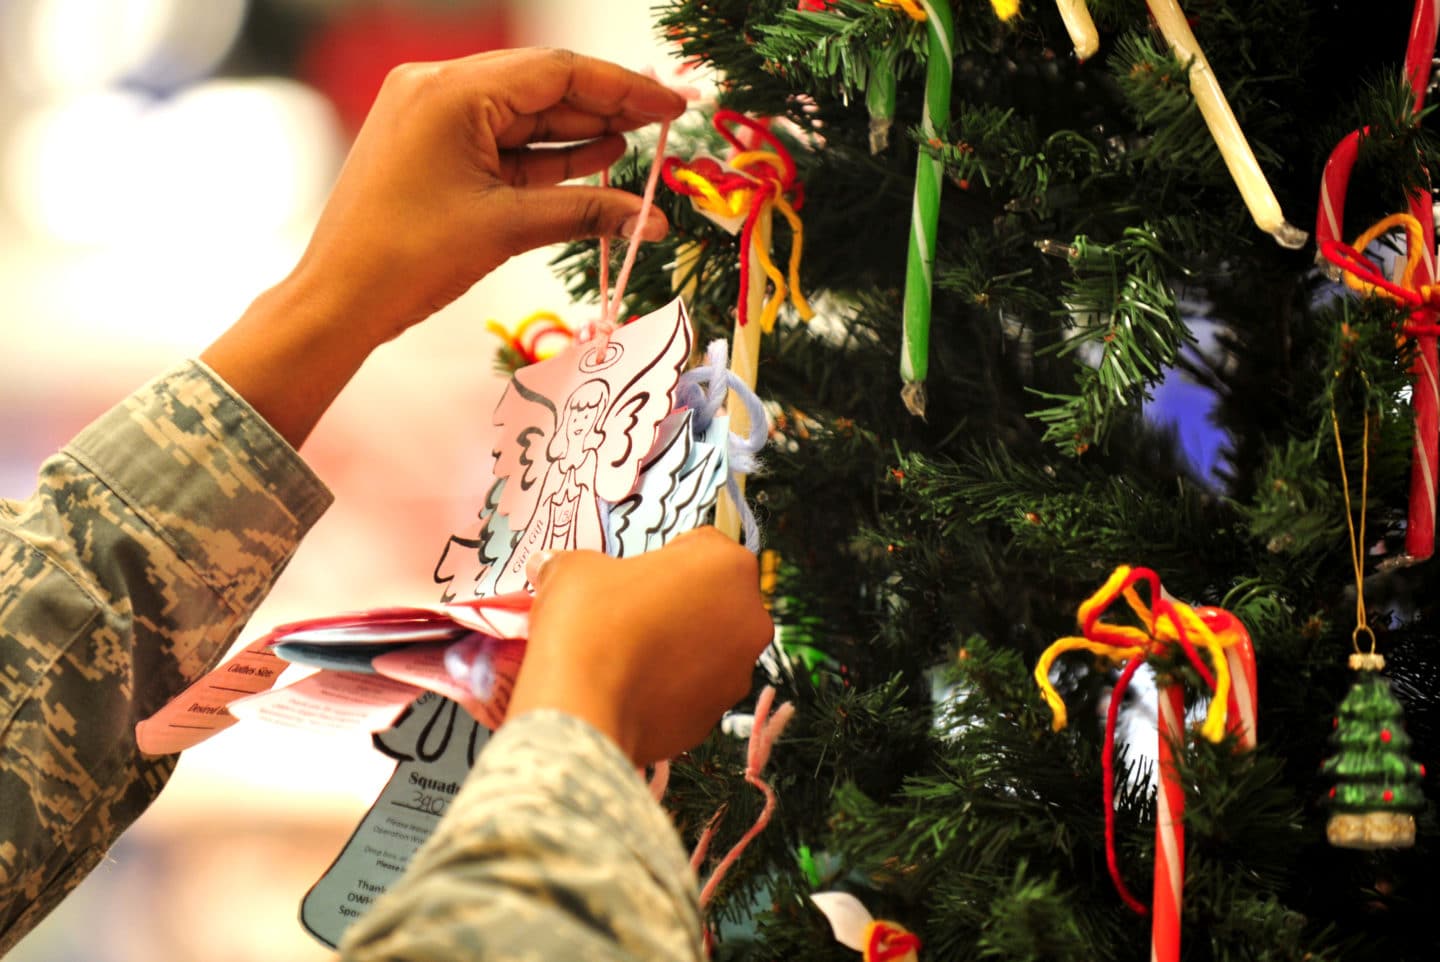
x=1168 y=899
x=1329 y=227
x=1169 y=829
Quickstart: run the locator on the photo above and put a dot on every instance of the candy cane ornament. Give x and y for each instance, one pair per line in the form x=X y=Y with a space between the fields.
x=925 y=209
x=743 y=196
x=1168 y=898
x=853 y=927
x=1214 y=107
x=1080 y=26
x=1170 y=628
x=1329 y=226
x=1167 y=901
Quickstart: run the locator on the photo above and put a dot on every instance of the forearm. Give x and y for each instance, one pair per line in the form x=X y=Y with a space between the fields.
x=295 y=348
x=128 y=573
x=552 y=850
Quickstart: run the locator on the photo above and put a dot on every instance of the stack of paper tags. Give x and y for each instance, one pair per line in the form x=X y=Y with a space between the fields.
x=590 y=453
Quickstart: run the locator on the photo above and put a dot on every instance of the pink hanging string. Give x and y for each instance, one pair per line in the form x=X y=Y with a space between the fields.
x=702 y=845
x=609 y=318
x=605 y=254
x=659 y=780
x=763 y=735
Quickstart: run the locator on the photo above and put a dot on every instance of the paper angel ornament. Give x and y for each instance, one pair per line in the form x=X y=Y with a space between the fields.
x=571 y=435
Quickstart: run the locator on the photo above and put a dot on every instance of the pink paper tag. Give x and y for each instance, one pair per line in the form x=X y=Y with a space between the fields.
x=503 y=616
x=424 y=666
x=200 y=710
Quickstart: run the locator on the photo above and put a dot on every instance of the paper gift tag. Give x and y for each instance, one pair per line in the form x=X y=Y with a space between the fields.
x=488 y=666
x=434 y=745
x=467 y=567
x=355 y=658
x=349 y=642
x=501 y=616
x=701 y=481
x=201 y=710
x=334 y=701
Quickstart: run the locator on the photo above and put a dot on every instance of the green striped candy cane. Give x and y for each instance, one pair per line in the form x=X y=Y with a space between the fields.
x=925 y=215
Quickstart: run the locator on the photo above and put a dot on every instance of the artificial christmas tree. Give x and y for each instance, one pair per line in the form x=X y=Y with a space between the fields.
x=1093 y=259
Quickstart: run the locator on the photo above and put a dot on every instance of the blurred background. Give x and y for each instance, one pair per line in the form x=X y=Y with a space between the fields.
x=161 y=163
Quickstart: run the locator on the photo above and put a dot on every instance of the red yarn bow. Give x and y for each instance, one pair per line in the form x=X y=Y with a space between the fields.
x=755 y=181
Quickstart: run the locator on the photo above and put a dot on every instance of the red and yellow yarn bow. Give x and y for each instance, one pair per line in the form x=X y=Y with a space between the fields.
x=1413 y=291
x=535 y=338
x=1167 y=628
x=754 y=184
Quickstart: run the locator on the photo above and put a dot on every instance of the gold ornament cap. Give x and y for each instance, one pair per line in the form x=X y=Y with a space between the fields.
x=1367 y=661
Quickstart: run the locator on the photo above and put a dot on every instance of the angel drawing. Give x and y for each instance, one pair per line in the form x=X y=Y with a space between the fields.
x=570 y=479
x=571 y=435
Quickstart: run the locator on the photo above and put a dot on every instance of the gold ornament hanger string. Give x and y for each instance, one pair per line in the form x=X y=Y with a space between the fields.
x=1357 y=538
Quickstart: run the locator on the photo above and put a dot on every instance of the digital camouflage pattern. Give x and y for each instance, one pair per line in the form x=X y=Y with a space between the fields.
x=552 y=850
x=148 y=543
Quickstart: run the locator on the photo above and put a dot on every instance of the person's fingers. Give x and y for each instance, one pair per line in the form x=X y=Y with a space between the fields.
x=551 y=165
x=534 y=80
x=539 y=216
x=565 y=124
x=538 y=565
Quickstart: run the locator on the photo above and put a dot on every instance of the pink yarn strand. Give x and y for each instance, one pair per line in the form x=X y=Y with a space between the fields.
x=763 y=736
x=660 y=780
x=702 y=845
x=612 y=310
x=604 y=256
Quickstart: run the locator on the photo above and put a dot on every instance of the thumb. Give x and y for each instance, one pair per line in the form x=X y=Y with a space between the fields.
x=553 y=215
x=536 y=564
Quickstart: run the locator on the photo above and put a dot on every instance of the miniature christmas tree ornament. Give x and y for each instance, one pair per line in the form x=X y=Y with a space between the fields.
x=1377 y=789
x=1378 y=785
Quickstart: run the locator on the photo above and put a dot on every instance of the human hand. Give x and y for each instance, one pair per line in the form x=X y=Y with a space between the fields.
x=650 y=649
x=447 y=178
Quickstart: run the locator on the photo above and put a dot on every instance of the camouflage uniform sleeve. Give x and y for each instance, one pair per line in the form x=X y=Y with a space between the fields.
x=553 y=849
x=148 y=542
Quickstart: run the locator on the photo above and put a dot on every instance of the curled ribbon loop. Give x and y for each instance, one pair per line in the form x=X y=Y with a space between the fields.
x=754 y=184
x=1167 y=627
x=537 y=337
x=1364 y=276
